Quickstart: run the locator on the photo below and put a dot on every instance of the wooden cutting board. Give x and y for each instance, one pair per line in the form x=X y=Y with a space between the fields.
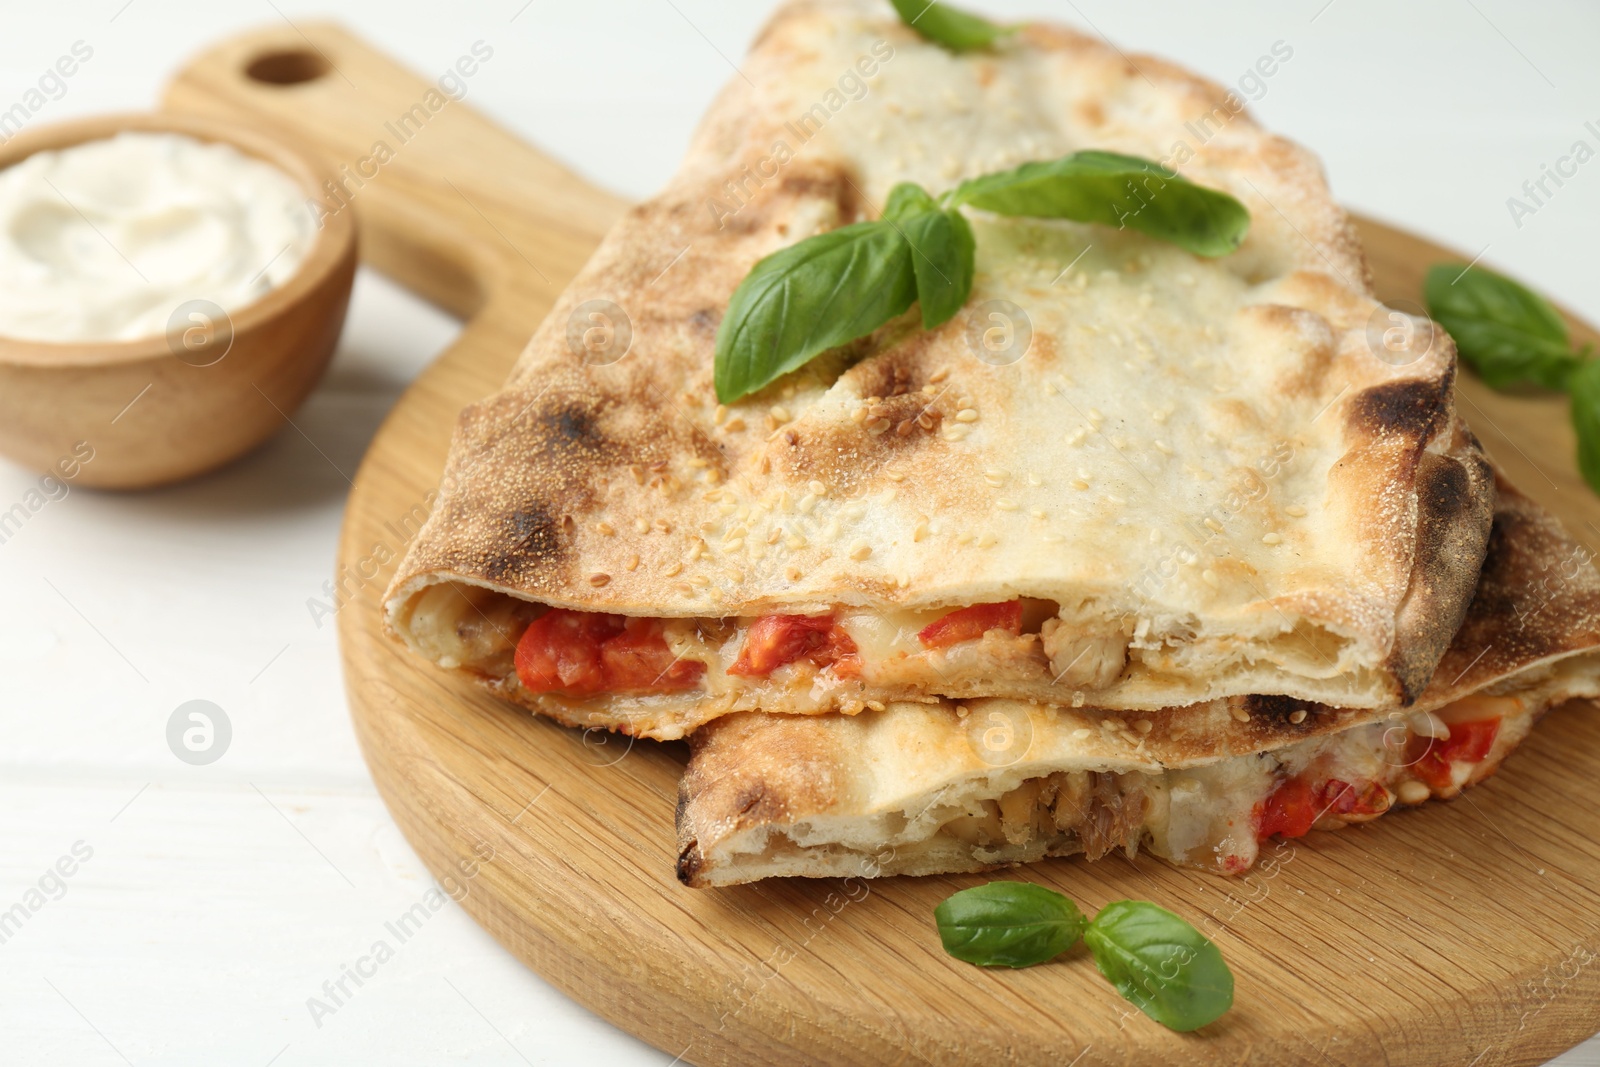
x=1465 y=933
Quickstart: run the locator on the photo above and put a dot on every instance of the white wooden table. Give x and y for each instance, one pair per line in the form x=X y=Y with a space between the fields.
x=216 y=900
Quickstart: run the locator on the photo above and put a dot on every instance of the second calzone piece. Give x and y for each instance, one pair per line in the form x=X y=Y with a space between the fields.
x=914 y=789
x=1122 y=475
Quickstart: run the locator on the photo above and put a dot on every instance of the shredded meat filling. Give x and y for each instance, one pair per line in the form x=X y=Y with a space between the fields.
x=1104 y=811
x=1116 y=808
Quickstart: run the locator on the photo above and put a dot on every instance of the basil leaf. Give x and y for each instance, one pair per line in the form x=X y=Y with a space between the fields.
x=944 y=256
x=943 y=250
x=957 y=30
x=802 y=300
x=907 y=199
x=1114 y=190
x=1008 y=924
x=1584 y=386
x=1504 y=331
x=1161 y=963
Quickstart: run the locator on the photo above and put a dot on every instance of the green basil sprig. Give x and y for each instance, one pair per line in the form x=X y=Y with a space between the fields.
x=836 y=287
x=1008 y=924
x=1511 y=335
x=1503 y=330
x=802 y=300
x=1166 y=967
x=1115 y=190
x=1583 y=385
x=943 y=250
x=957 y=30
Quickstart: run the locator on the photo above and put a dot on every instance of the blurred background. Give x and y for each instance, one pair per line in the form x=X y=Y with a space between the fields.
x=216 y=899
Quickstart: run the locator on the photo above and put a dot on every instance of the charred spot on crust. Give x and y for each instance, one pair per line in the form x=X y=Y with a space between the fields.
x=1445 y=493
x=1415 y=408
x=1521 y=606
x=559 y=448
x=1280 y=713
x=1455 y=527
x=531 y=527
x=1455 y=501
x=571 y=427
x=530 y=533
x=689 y=863
x=751 y=798
x=556 y=432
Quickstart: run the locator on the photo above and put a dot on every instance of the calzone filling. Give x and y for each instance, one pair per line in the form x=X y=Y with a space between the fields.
x=1219 y=816
x=847 y=659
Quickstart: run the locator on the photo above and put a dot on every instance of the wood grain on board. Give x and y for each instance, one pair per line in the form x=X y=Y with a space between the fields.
x=1460 y=933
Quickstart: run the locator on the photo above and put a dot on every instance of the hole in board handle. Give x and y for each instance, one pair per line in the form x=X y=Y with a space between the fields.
x=288 y=67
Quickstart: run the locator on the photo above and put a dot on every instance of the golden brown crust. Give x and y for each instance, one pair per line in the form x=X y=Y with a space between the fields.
x=1537 y=600
x=1079 y=473
x=803 y=771
x=1455 y=502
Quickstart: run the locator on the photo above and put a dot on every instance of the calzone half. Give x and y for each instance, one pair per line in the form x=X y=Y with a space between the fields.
x=963 y=787
x=1122 y=476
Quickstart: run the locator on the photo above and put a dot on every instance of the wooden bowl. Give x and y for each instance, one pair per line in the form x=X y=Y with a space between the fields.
x=133 y=414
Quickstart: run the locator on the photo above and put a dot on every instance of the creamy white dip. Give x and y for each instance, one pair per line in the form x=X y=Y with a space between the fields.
x=102 y=241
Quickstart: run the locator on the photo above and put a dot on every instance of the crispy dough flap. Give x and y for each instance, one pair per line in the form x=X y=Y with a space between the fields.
x=1206 y=457
x=774 y=795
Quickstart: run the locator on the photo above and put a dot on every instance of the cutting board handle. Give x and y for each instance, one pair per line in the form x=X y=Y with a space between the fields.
x=450 y=204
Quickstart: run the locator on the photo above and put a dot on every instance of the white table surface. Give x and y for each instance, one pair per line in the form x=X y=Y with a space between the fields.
x=219 y=898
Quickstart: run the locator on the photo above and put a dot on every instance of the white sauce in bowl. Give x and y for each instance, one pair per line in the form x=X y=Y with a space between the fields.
x=102 y=241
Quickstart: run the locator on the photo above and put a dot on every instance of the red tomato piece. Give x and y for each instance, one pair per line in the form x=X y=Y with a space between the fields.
x=774 y=640
x=1469 y=742
x=560 y=651
x=1288 y=811
x=638 y=661
x=582 y=653
x=969 y=624
x=1295 y=806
